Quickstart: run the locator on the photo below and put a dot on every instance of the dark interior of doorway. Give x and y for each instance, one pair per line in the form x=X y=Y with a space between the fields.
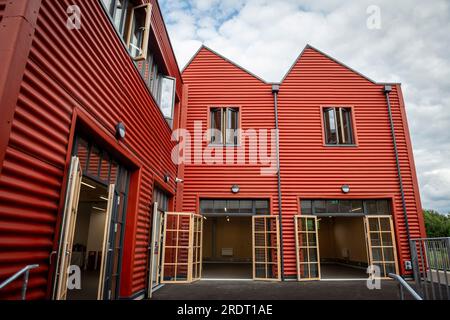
x=227 y=248
x=343 y=249
x=87 y=249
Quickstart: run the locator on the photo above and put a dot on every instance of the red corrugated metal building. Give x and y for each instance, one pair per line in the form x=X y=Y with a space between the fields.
x=90 y=96
x=58 y=83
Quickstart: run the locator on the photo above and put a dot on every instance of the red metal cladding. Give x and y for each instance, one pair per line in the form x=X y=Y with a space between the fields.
x=214 y=81
x=308 y=168
x=90 y=70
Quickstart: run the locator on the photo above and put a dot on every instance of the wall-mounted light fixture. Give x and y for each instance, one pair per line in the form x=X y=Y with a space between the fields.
x=120 y=131
x=235 y=188
x=178 y=180
x=345 y=188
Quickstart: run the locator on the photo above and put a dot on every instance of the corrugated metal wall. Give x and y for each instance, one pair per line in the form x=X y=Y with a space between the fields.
x=308 y=168
x=88 y=69
x=214 y=81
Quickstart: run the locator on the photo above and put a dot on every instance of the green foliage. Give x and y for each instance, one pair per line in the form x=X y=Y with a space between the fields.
x=436 y=224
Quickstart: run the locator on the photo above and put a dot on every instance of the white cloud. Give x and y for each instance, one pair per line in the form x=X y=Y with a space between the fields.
x=412 y=47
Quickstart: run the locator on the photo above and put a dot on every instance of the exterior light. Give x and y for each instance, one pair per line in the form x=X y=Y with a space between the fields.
x=345 y=188
x=235 y=188
x=166 y=178
x=228 y=219
x=120 y=131
x=178 y=180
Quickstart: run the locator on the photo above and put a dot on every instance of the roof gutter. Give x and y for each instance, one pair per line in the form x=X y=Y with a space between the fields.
x=275 y=91
x=387 y=90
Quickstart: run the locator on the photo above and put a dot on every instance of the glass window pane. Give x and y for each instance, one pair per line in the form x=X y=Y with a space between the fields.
x=332 y=206
x=216 y=125
x=319 y=206
x=167 y=96
x=109 y=5
x=233 y=206
x=82 y=153
x=232 y=125
x=206 y=206
x=137 y=32
x=371 y=207
x=306 y=207
x=330 y=126
x=347 y=126
x=383 y=207
x=94 y=162
x=357 y=206
x=119 y=16
x=345 y=206
x=246 y=206
x=262 y=207
x=219 y=206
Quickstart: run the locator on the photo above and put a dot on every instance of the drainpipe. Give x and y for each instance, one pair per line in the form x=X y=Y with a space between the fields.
x=387 y=90
x=275 y=91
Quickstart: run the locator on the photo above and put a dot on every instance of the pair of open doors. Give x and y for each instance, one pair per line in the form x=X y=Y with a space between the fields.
x=68 y=232
x=380 y=244
x=176 y=248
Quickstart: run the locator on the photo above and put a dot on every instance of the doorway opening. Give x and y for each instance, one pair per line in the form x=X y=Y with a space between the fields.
x=87 y=248
x=227 y=248
x=343 y=249
x=340 y=239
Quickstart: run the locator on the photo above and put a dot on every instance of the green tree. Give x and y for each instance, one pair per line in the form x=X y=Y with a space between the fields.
x=436 y=224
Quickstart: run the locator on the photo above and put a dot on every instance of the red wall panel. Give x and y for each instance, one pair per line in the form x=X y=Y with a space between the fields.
x=308 y=168
x=88 y=69
x=214 y=81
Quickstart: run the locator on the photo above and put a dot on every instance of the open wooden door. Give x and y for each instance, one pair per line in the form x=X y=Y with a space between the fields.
x=307 y=248
x=266 y=248
x=181 y=257
x=381 y=244
x=68 y=229
x=106 y=242
x=155 y=249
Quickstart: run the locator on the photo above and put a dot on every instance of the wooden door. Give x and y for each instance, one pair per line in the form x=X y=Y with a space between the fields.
x=266 y=248
x=307 y=248
x=68 y=228
x=381 y=244
x=106 y=243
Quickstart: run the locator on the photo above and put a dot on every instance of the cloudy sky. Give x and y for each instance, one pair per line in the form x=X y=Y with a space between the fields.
x=409 y=44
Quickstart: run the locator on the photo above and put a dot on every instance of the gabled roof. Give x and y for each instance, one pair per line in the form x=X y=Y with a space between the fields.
x=224 y=58
x=308 y=46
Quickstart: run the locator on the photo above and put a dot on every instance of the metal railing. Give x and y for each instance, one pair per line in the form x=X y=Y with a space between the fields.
x=26 y=274
x=402 y=285
x=430 y=260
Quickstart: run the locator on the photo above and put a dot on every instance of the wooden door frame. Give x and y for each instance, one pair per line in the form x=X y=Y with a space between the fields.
x=277 y=232
x=106 y=241
x=69 y=224
x=297 y=245
x=369 y=241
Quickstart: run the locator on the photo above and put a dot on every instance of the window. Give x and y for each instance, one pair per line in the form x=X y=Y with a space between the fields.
x=338 y=126
x=224 y=126
x=345 y=207
x=139 y=32
x=239 y=207
x=132 y=24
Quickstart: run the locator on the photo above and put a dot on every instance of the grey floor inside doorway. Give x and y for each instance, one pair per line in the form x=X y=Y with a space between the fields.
x=341 y=271
x=259 y=290
x=227 y=271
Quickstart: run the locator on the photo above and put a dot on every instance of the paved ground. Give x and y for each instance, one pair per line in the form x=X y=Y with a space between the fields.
x=256 y=290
